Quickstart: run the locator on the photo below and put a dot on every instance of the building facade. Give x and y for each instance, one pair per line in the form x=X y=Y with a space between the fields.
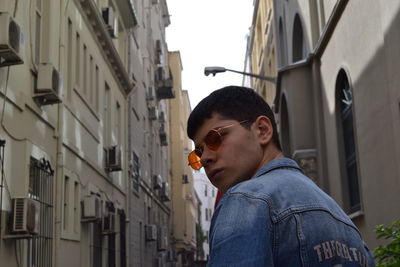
x=207 y=194
x=148 y=154
x=338 y=104
x=261 y=51
x=84 y=135
x=184 y=202
x=64 y=188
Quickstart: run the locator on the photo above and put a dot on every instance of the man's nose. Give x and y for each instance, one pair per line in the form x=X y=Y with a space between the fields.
x=207 y=157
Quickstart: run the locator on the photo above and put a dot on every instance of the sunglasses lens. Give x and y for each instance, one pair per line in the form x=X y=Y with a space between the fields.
x=213 y=140
x=194 y=159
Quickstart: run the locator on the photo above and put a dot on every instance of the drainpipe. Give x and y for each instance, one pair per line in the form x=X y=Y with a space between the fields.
x=59 y=155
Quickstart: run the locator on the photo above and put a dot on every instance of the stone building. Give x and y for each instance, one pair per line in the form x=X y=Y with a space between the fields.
x=337 y=101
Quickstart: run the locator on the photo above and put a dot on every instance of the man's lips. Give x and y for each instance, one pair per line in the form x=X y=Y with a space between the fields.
x=213 y=173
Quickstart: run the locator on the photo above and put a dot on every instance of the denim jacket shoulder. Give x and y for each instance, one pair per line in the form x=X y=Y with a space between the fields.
x=281 y=218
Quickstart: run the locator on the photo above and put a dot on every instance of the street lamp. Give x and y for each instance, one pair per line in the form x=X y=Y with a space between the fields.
x=215 y=70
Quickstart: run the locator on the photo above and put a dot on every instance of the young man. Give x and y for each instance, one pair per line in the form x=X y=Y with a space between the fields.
x=270 y=214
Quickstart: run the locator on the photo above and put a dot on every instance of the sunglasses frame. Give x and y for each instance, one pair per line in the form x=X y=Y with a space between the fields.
x=194 y=158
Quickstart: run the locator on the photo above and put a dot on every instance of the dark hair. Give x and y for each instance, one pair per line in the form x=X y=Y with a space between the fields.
x=232 y=102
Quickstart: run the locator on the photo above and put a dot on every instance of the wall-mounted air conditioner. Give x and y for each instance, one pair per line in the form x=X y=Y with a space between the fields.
x=91 y=210
x=151 y=232
x=110 y=20
x=113 y=159
x=165 y=192
x=49 y=84
x=26 y=216
x=153 y=113
x=157 y=181
x=11 y=41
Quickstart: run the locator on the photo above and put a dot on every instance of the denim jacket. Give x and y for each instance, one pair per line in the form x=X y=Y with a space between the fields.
x=281 y=218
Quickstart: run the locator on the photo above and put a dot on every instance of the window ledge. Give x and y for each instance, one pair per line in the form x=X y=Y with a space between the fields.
x=357 y=214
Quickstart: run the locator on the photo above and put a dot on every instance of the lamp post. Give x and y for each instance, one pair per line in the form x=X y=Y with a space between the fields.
x=214 y=70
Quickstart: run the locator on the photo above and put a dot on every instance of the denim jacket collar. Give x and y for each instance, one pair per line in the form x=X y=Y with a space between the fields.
x=277 y=164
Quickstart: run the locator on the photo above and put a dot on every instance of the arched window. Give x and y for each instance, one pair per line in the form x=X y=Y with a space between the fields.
x=282 y=44
x=299 y=51
x=348 y=154
x=285 y=131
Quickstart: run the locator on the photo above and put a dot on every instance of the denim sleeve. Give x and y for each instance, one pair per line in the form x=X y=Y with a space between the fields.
x=240 y=233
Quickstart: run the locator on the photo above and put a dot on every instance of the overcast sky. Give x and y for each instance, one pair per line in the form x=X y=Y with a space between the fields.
x=209 y=33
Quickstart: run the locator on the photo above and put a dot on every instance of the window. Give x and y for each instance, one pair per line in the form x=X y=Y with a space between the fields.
x=122 y=237
x=348 y=155
x=205 y=190
x=106 y=115
x=282 y=44
x=118 y=125
x=69 y=60
x=41 y=179
x=135 y=171
x=85 y=70
x=299 y=50
x=71 y=206
x=38 y=29
x=96 y=244
x=78 y=59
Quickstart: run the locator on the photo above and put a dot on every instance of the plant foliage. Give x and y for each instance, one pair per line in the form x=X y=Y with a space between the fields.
x=388 y=255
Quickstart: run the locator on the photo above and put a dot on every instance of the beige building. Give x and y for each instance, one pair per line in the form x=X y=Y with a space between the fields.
x=337 y=101
x=77 y=120
x=261 y=50
x=184 y=202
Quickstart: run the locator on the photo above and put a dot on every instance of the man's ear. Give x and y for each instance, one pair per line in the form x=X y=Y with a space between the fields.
x=263 y=129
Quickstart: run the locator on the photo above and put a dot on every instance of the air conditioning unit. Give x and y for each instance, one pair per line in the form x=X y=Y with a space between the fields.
x=165 y=192
x=114 y=159
x=151 y=232
x=157 y=181
x=110 y=20
x=49 y=84
x=171 y=255
x=11 y=41
x=185 y=179
x=150 y=94
x=26 y=216
x=153 y=113
x=91 y=208
x=162 y=242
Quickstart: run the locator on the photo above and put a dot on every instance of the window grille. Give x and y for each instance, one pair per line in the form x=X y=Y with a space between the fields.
x=41 y=179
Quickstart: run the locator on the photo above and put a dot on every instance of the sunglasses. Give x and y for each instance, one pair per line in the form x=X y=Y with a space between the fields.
x=213 y=141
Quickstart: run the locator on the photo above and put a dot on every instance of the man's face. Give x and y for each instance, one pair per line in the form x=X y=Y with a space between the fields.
x=238 y=157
